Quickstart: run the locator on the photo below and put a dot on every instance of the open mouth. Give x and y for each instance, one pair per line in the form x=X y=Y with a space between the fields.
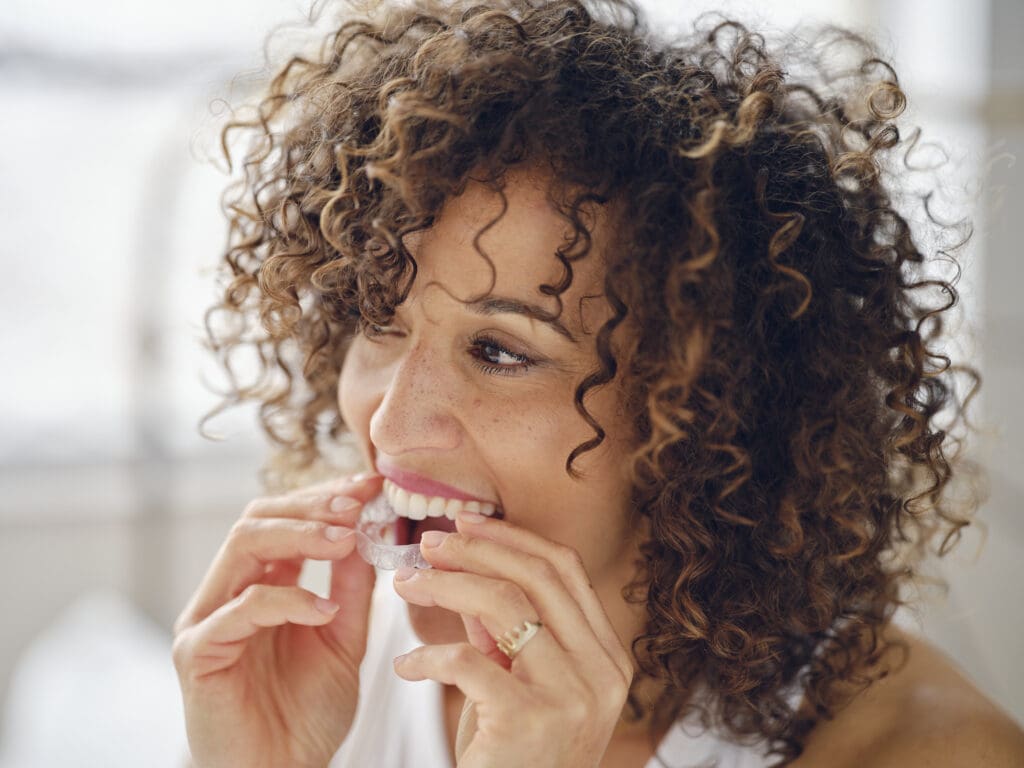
x=391 y=526
x=418 y=513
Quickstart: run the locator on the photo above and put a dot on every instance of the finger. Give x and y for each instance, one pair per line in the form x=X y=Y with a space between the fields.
x=480 y=638
x=217 y=642
x=537 y=578
x=543 y=586
x=337 y=500
x=255 y=542
x=499 y=605
x=322 y=501
x=567 y=563
x=363 y=487
x=461 y=665
x=283 y=573
x=352 y=581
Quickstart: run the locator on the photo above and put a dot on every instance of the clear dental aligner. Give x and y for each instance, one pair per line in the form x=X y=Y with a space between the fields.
x=375 y=538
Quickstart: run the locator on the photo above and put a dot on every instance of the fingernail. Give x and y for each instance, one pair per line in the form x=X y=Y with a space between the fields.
x=431 y=539
x=341 y=504
x=337 y=533
x=399 y=659
x=363 y=476
x=404 y=573
x=326 y=606
x=467 y=516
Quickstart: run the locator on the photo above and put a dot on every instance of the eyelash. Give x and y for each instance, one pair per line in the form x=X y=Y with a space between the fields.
x=478 y=344
x=524 y=363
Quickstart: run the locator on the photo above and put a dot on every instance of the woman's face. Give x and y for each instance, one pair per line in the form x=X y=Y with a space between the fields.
x=480 y=396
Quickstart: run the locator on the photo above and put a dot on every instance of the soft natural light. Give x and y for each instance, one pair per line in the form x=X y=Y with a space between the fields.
x=110 y=230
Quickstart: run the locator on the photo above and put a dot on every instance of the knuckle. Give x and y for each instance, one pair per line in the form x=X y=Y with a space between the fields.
x=462 y=654
x=510 y=594
x=312 y=528
x=570 y=560
x=579 y=709
x=546 y=570
x=318 y=501
x=618 y=690
x=181 y=623
x=255 y=506
x=181 y=651
x=252 y=595
x=459 y=543
x=242 y=529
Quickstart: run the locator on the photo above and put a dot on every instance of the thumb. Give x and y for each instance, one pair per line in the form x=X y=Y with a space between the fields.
x=352 y=581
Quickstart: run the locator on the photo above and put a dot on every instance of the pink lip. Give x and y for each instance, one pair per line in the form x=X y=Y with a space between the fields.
x=418 y=484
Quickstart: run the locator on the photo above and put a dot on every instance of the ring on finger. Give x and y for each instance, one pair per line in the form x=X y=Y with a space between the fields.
x=512 y=642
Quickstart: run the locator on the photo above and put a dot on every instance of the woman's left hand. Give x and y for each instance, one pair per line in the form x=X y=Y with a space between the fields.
x=558 y=701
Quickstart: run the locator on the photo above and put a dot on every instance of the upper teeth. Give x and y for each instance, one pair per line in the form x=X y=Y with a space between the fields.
x=416 y=506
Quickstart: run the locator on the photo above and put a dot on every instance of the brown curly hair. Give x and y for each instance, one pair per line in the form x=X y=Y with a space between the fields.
x=784 y=377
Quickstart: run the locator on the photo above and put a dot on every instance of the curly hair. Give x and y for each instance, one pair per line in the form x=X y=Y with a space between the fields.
x=783 y=374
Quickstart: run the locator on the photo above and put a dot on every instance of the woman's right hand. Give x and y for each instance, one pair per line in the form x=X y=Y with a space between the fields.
x=269 y=672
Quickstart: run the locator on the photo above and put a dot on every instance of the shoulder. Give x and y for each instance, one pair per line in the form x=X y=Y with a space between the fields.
x=924 y=712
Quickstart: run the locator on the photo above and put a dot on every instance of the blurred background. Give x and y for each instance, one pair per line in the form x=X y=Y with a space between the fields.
x=112 y=505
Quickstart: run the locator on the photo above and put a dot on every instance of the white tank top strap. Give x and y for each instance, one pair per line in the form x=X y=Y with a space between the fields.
x=689 y=745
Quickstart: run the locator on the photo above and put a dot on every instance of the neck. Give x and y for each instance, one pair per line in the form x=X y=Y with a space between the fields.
x=646 y=691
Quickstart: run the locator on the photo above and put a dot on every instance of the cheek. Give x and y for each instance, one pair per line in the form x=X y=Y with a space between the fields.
x=550 y=501
x=355 y=397
x=528 y=443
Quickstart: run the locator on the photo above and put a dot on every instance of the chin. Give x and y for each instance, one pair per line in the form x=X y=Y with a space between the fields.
x=436 y=626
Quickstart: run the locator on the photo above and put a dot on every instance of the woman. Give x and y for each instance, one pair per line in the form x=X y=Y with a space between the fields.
x=650 y=307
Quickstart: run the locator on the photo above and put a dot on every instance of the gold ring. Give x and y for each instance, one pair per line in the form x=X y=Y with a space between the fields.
x=512 y=642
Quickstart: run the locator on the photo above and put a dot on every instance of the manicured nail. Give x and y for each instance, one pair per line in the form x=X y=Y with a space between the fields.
x=337 y=533
x=404 y=573
x=431 y=539
x=340 y=504
x=470 y=517
x=326 y=606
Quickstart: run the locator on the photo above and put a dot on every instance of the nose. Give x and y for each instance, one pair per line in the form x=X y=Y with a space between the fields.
x=418 y=406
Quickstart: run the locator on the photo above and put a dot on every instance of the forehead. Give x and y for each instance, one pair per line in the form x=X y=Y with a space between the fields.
x=521 y=244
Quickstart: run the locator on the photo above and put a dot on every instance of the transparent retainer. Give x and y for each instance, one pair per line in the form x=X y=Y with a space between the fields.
x=375 y=538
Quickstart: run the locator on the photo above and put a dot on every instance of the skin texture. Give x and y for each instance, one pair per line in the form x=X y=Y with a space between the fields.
x=924 y=712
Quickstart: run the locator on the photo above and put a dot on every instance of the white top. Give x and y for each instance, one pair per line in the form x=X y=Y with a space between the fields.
x=399 y=724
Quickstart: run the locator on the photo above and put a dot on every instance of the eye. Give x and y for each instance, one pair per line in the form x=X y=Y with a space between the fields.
x=373 y=331
x=495 y=359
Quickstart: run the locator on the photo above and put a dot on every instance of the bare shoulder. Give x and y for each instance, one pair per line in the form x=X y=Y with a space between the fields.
x=925 y=712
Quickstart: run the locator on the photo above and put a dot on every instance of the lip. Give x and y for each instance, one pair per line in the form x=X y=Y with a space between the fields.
x=414 y=483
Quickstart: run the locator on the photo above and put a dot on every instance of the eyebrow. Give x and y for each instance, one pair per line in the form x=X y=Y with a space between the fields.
x=496 y=305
